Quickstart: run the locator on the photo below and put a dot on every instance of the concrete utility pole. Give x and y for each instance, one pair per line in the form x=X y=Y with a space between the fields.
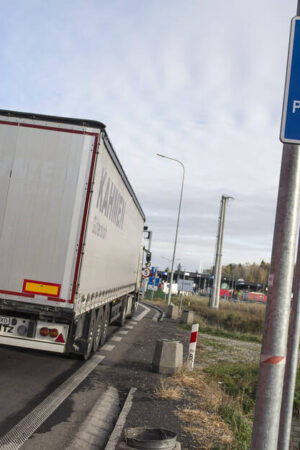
x=215 y=295
x=265 y=435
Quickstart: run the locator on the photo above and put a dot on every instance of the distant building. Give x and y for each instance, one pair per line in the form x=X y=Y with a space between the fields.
x=203 y=283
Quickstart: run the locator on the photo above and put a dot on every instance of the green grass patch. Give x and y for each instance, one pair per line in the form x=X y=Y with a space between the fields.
x=158 y=295
x=239 y=382
x=240 y=425
x=297 y=395
x=229 y=334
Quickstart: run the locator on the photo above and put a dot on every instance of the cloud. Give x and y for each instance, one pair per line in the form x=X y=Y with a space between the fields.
x=198 y=81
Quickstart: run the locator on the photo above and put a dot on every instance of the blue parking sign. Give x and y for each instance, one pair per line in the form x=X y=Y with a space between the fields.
x=290 y=123
x=151 y=280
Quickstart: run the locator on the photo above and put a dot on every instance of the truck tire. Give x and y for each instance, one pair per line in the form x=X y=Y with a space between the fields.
x=98 y=329
x=122 y=319
x=89 y=335
x=104 y=324
x=135 y=305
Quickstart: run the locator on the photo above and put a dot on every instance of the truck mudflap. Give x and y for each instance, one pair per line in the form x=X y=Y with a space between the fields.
x=35 y=334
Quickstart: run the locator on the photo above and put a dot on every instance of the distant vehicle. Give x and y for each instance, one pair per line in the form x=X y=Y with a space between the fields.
x=70 y=234
x=225 y=291
x=243 y=290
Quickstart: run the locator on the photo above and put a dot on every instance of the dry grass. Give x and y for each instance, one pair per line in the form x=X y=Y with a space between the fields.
x=231 y=316
x=157 y=301
x=207 y=427
x=200 y=418
x=168 y=391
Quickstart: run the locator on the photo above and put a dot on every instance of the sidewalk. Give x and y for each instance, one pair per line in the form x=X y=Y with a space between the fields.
x=135 y=371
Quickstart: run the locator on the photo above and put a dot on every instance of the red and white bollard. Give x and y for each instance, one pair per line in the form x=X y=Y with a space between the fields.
x=192 y=346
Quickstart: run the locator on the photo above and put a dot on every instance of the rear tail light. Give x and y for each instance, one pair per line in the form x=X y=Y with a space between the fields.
x=53 y=333
x=44 y=331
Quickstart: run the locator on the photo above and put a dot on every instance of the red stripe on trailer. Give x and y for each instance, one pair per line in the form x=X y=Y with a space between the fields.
x=273 y=360
x=16 y=293
x=83 y=226
x=54 y=299
x=44 y=127
x=194 y=336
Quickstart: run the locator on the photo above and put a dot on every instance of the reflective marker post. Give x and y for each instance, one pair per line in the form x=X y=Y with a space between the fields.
x=273 y=353
x=192 y=346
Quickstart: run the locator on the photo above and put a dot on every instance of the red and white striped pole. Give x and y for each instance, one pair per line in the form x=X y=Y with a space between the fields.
x=192 y=346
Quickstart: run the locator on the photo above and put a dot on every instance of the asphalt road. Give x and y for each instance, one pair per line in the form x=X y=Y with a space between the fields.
x=28 y=377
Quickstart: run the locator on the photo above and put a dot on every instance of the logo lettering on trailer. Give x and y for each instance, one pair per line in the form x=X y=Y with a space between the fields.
x=110 y=201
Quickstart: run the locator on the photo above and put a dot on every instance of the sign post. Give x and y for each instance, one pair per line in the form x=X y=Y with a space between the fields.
x=273 y=352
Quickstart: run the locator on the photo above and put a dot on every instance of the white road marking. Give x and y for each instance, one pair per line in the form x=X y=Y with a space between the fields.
x=129 y=327
x=115 y=436
x=123 y=332
x=116 y=338
x=19 y=434
x=108 y=347
x=142 y=314
x=134 y=322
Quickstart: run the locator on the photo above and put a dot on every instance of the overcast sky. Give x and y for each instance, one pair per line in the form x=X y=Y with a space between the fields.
x=199 y=81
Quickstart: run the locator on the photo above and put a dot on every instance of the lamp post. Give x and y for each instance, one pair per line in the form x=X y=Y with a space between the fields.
x=178 y=218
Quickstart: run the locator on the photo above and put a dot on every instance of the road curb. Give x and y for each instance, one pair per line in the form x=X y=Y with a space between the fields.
x=117 y=431
x=161 y=312
x=96 y=428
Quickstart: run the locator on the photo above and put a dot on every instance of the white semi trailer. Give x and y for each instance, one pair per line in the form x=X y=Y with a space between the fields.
x=70 y=234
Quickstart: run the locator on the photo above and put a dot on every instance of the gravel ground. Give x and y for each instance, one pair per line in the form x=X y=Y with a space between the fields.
x=224 y=349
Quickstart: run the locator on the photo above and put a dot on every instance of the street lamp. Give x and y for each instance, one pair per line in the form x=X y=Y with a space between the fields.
x=179 y=209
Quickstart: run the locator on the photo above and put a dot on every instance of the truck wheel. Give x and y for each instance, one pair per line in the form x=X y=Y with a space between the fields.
x=134 y=308
x=98 y=329
x=89 y=335
x=104 y=325
x=122 y=319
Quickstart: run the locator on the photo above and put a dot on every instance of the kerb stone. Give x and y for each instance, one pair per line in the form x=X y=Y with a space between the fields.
x=172 y=312
x=187 y=317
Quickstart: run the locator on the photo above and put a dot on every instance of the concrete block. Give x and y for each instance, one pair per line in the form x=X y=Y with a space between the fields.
x=187 y=317
x=172 y=312
x=168 y=356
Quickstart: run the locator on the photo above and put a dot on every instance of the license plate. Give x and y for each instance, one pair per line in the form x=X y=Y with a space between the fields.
x=4 y=320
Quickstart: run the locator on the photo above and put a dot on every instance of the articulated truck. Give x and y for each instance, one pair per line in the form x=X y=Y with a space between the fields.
x=71 y=232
